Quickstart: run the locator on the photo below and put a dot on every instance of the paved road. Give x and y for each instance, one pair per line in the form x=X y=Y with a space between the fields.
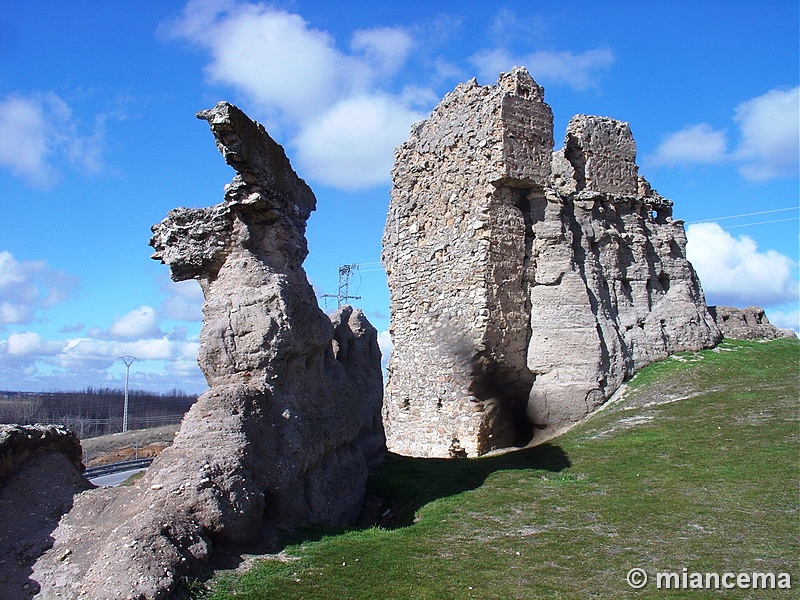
x=114 y=479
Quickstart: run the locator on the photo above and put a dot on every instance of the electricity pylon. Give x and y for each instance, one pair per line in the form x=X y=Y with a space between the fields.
x=128 y=360
x=345 y=272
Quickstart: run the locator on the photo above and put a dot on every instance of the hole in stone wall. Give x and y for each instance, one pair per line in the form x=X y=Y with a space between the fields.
x=573 y=152
x=523 y=203
x=456 y=451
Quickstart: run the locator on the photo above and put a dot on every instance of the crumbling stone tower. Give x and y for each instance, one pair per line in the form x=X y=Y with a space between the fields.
x=526 y=285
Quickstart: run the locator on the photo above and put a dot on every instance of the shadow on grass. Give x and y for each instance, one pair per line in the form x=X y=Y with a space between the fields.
x=401 y=486
x=405 y=484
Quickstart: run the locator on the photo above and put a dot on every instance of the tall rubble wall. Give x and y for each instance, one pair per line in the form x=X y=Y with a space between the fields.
x=526 y=284
x=292 y=420
x=453 y=242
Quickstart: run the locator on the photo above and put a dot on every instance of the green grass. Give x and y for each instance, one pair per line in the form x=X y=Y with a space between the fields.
x=696 y=467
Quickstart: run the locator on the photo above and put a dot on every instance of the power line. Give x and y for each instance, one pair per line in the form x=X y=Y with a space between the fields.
x=752 y=214
x=762 y=223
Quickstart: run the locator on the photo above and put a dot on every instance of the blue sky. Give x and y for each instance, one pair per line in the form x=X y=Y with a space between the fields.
x=98 y=141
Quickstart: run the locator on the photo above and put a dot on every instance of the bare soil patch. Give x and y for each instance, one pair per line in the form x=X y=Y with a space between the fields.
x=117 y=447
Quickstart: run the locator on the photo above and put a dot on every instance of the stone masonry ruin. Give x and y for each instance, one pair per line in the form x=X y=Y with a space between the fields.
x=291 y=423
x=526 y=284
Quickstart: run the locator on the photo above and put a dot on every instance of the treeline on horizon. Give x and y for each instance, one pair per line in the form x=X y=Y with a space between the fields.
x=95 y=411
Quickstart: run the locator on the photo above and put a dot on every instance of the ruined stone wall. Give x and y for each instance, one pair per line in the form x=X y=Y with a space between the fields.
x=291 y=424
x=526 y=285
x=750 y=323
x=452 y=197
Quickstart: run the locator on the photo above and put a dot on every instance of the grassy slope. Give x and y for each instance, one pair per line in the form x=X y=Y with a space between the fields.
x=696 y=467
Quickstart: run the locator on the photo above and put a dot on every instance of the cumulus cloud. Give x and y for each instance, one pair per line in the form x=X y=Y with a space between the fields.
x=51 y=133
x=699 y=144
x=26 y=358
x=354 y=128
x=577 y=70
x=25 y=343
x=768 y=144
x=735 y=272
x=184 y=301
x=273 y=56
x=385 y=49
x=168 y=357
x=770 y=135
x=27 y=286
x=785 y=319
x=334 y=106
x=138 y=323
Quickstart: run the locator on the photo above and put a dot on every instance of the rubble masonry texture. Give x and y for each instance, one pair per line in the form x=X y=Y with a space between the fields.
x=525 y=284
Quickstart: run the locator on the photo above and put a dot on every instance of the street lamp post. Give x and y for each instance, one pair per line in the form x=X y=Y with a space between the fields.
x=128 y=360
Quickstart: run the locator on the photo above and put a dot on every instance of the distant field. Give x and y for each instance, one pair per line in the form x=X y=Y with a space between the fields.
x=697 y=467
x=95 y=412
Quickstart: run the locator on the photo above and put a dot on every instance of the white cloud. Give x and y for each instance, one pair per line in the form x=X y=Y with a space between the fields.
x=579 y=71
x=385 y=344
x=38 y=130
x=108 y=351
x=166 y=360
x=309 y=88
x=27 y=286
x=785 y=319
x=770 y=135
x=734 y=272
x=138 y=323
x=768 y=139
x=184 y=301
x=696 y=144
x=272 y=55
x=25 y=343
x=363 y=131
x=24 y=119
x=385 y=49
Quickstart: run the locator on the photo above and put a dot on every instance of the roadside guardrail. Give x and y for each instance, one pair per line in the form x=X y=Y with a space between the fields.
x=126 y=465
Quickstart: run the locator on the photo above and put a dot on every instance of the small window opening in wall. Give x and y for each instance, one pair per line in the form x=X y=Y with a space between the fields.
x=663 y=280
x=406 y=403
x=438 y=403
